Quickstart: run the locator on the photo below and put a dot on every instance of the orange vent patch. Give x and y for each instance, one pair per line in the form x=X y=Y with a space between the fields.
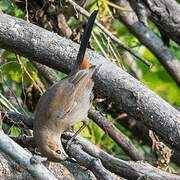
x=85 y=64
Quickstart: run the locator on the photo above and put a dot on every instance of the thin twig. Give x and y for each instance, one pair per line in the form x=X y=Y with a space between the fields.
x=16 y=118
x=27 y=13
x=5 y=102
x=14 y=95
x=28 y=74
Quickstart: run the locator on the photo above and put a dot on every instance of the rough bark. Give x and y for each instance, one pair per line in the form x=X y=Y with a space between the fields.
x=67 y=171
x=112 y=83
x=164 y=13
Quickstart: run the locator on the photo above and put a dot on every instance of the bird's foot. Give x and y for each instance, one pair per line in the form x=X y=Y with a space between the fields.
x=37 y=159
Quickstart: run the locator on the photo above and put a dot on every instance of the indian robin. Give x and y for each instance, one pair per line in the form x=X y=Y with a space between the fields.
x=65 y=103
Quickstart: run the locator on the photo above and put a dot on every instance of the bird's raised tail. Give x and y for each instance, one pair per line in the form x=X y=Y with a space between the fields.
x=81 y=60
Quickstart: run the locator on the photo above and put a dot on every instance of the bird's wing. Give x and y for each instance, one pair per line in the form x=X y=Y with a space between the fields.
x=60 y=99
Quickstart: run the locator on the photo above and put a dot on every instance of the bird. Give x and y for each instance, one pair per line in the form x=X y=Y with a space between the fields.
x=65 y=103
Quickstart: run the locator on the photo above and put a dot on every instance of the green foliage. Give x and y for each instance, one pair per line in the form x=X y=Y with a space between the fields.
x=8 y=7
x=14 y=70
x=158 y=79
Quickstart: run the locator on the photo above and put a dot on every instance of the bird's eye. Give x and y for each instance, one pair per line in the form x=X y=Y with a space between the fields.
x=58 y=151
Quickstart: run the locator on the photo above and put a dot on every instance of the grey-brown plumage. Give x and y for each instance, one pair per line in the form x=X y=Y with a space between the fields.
x=65 y=103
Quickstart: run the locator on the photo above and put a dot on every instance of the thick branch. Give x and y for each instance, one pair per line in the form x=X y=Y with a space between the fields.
x=112 y=83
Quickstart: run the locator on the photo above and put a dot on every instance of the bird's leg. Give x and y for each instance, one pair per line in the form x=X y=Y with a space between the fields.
x=85 y=123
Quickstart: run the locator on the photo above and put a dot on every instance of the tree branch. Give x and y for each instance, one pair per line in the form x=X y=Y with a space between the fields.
x=48 y=73
x=126 y=169
x=122 y=140
x=150 y=40
x=91 y=163
x=164 y=13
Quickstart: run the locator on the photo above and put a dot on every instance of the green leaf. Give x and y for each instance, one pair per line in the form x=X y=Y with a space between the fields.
x=15 y=131
x=96 y=133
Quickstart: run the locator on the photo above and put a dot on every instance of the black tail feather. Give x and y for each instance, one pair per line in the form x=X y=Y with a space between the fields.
x=84 y=42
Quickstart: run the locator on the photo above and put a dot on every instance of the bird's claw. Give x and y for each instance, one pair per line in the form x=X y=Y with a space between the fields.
x=37 y=159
